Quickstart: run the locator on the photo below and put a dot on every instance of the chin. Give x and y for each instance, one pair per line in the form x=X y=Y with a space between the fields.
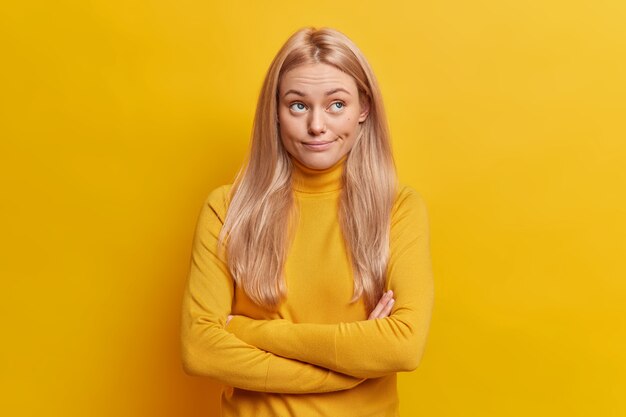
x=320 y=162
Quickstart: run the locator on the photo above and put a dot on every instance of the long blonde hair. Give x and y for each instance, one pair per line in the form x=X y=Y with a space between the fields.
x=262 y=207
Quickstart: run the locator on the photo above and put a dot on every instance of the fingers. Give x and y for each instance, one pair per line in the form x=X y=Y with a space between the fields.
x=387 y=310
x=379 y=307
x=384 y=306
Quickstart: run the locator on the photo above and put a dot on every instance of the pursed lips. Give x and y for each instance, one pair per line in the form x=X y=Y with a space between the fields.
x=319 y=142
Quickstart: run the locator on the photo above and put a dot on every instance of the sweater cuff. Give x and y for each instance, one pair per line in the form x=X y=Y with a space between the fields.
x=237 y=326
x=247 y=329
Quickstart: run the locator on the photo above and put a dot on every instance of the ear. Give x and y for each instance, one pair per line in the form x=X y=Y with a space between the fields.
x=365 y=110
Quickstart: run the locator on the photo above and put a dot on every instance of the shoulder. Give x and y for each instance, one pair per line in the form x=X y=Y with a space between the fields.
x=217 y=201
x=409 y=201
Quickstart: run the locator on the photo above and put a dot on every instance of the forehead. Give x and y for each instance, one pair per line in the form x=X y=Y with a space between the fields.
x=317 y=78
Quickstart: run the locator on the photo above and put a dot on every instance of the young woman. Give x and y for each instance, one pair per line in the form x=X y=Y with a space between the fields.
x=310 y=284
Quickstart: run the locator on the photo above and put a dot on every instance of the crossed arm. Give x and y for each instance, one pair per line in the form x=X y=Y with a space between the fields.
x=209 y=350
x=372 y=348
x=326 y=357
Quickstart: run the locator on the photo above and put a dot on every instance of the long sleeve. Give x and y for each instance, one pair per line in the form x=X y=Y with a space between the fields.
x=369 y=348
x=209 y=350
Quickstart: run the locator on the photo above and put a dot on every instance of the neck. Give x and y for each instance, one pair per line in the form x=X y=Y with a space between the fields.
x=313 y=181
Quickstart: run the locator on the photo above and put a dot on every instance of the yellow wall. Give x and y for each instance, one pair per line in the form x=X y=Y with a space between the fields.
x=117 y=117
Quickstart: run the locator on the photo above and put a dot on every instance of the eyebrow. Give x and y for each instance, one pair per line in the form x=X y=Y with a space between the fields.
x=328 y=93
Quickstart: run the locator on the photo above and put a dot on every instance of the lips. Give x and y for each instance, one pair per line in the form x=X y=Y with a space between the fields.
x=318 y=146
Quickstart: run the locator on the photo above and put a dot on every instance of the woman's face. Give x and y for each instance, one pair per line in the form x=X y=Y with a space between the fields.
x=319 y=114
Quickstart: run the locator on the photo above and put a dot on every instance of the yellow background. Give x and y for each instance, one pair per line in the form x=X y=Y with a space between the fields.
x=118 y=117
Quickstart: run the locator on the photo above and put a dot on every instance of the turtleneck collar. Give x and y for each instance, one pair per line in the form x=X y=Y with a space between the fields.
x=313 y=181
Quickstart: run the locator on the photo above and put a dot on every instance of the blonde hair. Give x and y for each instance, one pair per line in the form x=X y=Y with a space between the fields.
x=262 y=207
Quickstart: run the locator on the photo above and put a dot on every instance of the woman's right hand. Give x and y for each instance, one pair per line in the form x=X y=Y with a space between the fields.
x=384 y=306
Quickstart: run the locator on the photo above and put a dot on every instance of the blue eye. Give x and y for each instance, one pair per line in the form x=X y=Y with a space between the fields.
x=297 y=107
x=338 y=105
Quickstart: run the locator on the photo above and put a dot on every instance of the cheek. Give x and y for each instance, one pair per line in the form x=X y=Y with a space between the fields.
x=284 y=135
x=288 y=128
x=348 y=126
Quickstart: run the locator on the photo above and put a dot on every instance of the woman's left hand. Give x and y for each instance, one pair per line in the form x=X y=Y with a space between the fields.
x=384 y=306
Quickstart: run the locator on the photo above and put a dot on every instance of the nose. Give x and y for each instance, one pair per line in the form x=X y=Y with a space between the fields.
x=317 y=124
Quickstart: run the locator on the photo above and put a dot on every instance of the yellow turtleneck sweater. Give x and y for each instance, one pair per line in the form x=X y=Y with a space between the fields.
x=318 y=355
